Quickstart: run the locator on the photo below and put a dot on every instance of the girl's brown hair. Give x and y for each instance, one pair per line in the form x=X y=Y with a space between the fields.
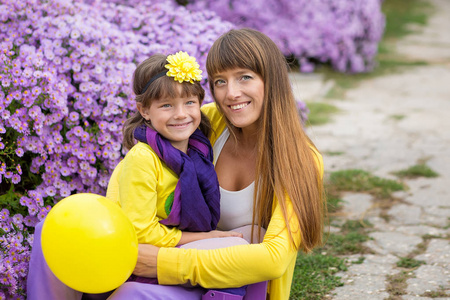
x=163 y=87
x=287 y=166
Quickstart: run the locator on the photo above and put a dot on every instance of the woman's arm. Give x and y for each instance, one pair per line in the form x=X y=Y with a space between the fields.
x=226 y=267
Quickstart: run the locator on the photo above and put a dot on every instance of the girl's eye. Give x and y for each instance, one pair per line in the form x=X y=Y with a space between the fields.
x=246 y=77
x=165 y=105
x=190 y=102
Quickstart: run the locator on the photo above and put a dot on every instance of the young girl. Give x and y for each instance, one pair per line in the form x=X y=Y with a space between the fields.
x=166 y=184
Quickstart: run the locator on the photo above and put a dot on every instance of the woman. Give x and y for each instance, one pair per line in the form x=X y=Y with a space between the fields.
x=264 y=161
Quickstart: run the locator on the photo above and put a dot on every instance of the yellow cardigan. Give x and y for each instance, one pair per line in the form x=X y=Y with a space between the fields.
x=141 y=184
x=273 y=259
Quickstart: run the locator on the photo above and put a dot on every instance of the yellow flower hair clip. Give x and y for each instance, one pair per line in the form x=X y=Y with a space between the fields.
x=183 y=67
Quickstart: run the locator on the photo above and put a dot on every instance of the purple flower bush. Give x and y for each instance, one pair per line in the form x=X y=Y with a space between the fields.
x=344 y=34
x=65 y=91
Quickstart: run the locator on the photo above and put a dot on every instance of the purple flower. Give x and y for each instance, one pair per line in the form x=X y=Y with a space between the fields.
x=19 y=169
x=5 y=227
x=73 y=116
x=18 y=220
x=51 y=191
x=6 y=82
x=30 y=221
x=19 y=152
x=42 y=213
x=33 y=210
x=15 y=179
x=4 y=215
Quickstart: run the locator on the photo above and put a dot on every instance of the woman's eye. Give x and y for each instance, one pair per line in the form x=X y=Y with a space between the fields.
x=219 y=82
x=246 y=77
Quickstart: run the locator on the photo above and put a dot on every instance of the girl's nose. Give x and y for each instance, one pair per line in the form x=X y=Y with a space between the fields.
x=180 y=112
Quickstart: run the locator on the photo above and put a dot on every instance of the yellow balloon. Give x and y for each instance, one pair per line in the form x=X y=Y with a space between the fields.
x=89 y=243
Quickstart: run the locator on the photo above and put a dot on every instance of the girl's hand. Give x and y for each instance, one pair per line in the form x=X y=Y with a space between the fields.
x=221 y=234
x=189 y=237
x=146 y=262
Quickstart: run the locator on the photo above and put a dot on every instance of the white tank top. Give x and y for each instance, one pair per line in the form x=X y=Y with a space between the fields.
x=236 y=207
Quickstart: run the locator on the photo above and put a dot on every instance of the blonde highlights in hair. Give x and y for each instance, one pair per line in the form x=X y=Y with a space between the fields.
x=286 y=165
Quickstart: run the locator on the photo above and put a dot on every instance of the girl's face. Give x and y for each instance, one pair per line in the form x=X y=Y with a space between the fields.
x=240 y=95
x=174 y=118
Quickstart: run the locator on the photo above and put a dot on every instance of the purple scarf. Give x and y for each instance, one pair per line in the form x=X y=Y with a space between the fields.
x=196 y=203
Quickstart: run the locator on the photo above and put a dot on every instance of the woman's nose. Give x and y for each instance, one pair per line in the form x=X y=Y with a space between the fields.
x=233 y=91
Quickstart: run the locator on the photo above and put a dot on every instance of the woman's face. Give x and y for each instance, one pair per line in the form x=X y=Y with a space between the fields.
x=240 y=95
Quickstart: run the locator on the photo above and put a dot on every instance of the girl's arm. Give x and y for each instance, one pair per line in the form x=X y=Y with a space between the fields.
x=138 y=178
x=188 y=237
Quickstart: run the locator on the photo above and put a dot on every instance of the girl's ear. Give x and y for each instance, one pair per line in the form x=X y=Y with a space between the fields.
x=142 y=110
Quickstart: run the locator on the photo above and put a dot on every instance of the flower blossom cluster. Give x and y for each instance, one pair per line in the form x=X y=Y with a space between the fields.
x=344 y=34
x=15 y=252
x=65 y=91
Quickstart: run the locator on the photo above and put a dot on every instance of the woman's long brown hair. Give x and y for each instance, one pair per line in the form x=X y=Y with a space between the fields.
x=286 y=164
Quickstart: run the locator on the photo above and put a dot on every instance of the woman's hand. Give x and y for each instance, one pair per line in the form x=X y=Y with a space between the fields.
x=221 y=234
x=146 y=262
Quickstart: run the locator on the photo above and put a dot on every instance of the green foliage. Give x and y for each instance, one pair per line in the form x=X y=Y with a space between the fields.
x=361 y=181
x=355 y=226
x=419 y=170
x=409 y=263
x=334 y=153
x=334 y=203
x=320 y=113
x=10 y=200
x=397 y=284
x=397 y=117
x=350 y=243
x=437 y=294
x=314 y=275
x=400 y=14
x=360 y=260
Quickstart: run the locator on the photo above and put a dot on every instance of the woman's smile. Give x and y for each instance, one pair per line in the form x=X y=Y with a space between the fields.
x=239 y=106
